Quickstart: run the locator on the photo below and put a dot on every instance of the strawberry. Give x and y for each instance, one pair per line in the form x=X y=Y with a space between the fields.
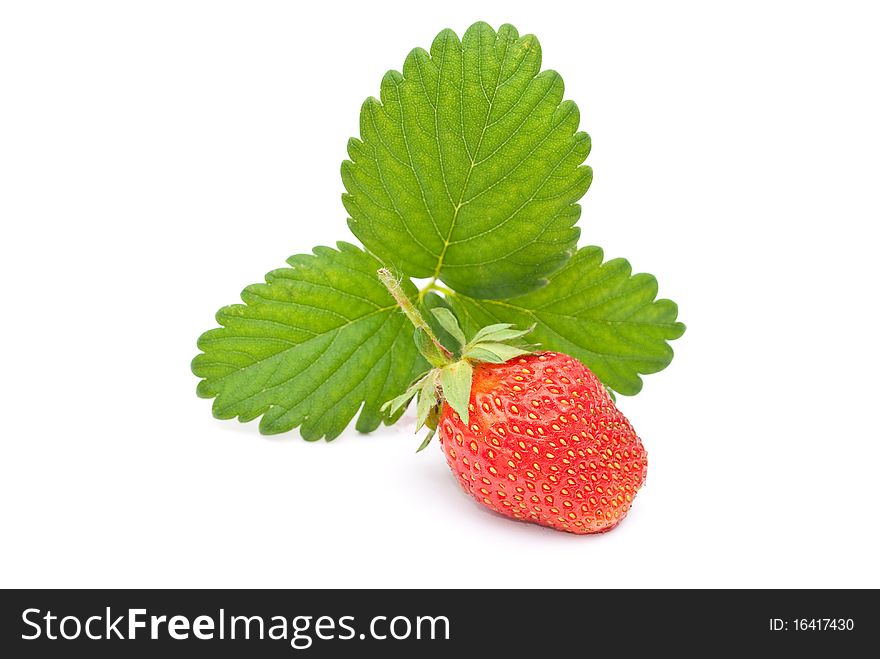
x=545 y=443
x=533 y=436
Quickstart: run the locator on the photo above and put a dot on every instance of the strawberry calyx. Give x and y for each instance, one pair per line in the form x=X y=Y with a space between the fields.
x=451 y=378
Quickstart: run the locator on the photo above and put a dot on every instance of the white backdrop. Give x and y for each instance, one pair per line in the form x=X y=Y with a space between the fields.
x=156 y=157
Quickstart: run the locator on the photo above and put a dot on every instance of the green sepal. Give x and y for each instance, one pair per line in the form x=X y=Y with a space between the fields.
x=500 y=332
x=433 y=417
x=427 y=440
x=399 y=402
x=429 y=349
x=495 y=353
x=427 y=400
x=456 y=382
x=431 y=301
x=449 y=322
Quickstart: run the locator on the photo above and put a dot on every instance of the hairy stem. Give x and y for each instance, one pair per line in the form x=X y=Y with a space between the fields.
x=409 y=309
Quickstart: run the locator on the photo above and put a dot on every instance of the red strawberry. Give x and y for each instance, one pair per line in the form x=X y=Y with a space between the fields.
x=545 y=443
x=532 y=436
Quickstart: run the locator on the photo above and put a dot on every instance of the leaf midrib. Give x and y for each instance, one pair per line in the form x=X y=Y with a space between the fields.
x=533 y=313
x=335 y=330
x=457 y=209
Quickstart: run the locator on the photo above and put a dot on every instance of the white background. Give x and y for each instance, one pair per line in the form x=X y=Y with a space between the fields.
x=156 y=157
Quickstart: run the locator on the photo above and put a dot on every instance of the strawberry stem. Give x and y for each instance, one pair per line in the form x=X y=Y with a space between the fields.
x=410 y=310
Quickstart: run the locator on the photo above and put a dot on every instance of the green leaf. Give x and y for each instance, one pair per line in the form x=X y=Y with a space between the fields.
x=449 y=322
x=469 y=165
x=598 y=312
x=310 y=347
x=456 y=382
